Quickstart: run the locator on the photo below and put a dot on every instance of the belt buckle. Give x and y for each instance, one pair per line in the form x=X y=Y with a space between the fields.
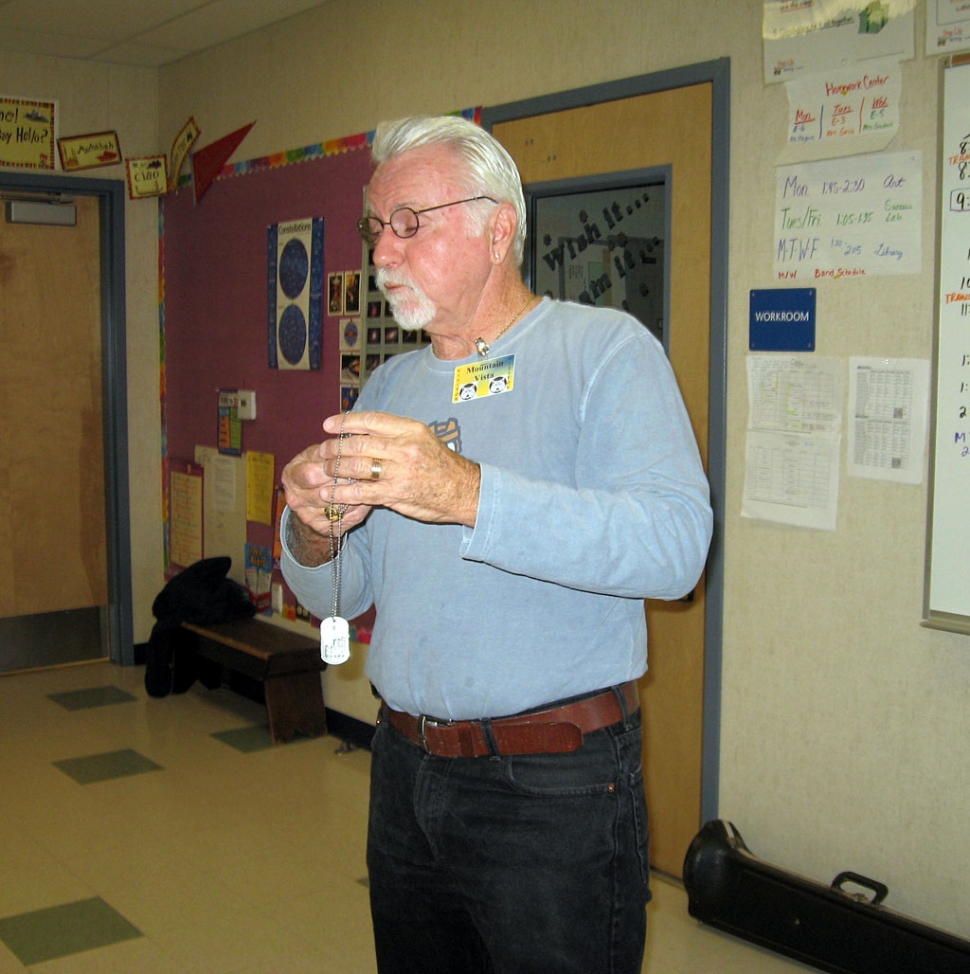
x=424 y=721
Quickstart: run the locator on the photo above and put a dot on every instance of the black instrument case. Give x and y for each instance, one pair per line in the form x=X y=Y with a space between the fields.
x=835 y=928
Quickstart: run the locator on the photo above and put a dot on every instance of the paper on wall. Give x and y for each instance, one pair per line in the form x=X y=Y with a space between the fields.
x=947 y=26
x=792 y=444
x=888 y=418
x=792 y=478
x=843 y=111
x=860 y=216
x=812 y=35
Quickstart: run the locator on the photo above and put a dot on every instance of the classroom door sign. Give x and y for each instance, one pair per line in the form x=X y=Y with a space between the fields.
x=295 y=298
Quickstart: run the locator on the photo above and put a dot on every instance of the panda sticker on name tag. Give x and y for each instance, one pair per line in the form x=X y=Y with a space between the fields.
x=481 y=379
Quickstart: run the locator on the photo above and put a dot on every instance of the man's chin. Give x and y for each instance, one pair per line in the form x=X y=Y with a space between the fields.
x=409 y=316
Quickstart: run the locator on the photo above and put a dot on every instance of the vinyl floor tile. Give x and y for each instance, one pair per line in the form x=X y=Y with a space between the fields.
x=233 y=856
x=106 y=767
x=70 y=928
x=91 y=697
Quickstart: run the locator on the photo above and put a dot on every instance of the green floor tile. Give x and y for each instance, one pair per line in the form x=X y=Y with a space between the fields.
x=104 y=767
x=254 y=738
x=62 y=930
x=247 y=739
x=91 y=697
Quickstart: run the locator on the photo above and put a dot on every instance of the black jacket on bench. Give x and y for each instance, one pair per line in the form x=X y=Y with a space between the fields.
x=201 y=594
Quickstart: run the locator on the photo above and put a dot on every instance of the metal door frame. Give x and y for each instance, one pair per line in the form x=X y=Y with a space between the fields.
x=718 y=74
x=114 y=352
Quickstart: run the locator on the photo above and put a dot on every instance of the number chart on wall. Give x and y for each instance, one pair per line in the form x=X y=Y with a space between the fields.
x=947 y=595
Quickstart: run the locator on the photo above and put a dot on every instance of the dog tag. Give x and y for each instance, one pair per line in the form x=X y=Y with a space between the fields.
x=334 y=640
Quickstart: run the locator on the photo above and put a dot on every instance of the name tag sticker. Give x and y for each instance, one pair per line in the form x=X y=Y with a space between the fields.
x=480 y=379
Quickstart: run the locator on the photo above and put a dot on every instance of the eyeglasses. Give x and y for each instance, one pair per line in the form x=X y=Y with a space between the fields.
x=404 y=220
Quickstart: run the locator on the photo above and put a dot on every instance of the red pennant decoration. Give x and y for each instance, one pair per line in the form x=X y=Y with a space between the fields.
x=207 y=163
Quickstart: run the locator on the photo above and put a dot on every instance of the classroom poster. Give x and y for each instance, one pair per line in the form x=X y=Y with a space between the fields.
x=812 y=35
x=27 y=133
x=259 y=487
x=185 y=514
x=295 y=296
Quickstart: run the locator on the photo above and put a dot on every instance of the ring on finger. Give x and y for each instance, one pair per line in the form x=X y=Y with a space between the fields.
x=376 y=469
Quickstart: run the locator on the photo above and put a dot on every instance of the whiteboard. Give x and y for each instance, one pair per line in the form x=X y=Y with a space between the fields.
x=946 y=601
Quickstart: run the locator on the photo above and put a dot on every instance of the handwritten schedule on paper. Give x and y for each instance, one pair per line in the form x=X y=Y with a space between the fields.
x=185 y=515
x=858 y=216
x=947 y=590
x=857 y=104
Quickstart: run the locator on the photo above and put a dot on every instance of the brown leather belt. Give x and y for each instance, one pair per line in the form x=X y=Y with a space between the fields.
x=556 y=729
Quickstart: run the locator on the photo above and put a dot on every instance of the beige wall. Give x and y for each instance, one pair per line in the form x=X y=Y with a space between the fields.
x=97 y=98
x=845 y=730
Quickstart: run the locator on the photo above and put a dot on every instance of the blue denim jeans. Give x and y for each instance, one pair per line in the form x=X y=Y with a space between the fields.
x=533 y=864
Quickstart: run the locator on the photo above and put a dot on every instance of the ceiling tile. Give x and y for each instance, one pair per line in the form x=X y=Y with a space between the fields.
x=120 y=31
x=54 y=45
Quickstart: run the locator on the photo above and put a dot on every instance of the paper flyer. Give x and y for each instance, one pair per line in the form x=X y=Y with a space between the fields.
x=859 y=216
x=813 y=35
x=259 y=487
x=259 y=577
x=843 y=111
x=889 y=418
x=947 y=26
x=185 y=514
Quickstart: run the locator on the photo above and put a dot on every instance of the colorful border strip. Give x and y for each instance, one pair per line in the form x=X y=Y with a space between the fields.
x=321 y=149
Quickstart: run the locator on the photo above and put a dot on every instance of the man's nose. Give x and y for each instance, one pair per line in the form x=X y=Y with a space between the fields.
x=389 y=248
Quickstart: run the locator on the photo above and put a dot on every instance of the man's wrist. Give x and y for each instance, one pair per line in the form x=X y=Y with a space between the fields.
x=306 y=546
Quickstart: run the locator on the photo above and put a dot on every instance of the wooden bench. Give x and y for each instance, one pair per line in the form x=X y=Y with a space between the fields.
x=287 y=664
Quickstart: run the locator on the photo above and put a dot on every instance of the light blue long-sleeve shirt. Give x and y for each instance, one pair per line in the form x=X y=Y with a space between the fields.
x=592 y=498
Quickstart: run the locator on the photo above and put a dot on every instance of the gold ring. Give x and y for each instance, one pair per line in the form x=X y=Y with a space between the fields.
x=334 y=512
x=376 y=469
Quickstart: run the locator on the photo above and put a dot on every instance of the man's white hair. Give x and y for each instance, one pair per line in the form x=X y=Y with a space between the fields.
x=489 y=169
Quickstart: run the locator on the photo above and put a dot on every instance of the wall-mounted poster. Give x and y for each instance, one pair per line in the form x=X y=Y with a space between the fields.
x=229 y=425
x=335 y=291
x=351 y=292
x=815 y=35
x=147 y=177
x=185 y=484
x=180 y=148
x=947 y=26
x=295 y=258
x=89 y=151
x=27 y=133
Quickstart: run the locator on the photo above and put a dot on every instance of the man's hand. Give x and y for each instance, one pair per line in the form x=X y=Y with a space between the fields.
x=310 y=495
x=388 y=461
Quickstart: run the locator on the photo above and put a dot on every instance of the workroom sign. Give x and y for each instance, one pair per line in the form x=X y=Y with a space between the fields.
x=27 y=137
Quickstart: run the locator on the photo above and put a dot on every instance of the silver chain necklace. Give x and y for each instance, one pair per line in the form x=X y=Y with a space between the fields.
x=335 y=631
x=483 y=346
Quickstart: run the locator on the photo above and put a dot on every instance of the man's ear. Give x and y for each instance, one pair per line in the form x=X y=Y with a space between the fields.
x=501 y=229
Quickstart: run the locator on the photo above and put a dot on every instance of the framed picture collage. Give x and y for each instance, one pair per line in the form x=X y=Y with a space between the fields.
x=371 y=336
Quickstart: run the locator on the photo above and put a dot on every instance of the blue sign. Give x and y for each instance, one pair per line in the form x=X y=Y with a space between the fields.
x=782 y=320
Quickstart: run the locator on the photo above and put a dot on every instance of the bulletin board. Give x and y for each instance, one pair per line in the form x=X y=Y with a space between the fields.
x=214 y=269
x=946 y=593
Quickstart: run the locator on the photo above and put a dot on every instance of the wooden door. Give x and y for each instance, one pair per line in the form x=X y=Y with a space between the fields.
x=53 y=548
x=667 y=128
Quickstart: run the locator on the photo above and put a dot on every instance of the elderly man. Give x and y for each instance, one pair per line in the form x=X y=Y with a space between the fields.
x=506 y=499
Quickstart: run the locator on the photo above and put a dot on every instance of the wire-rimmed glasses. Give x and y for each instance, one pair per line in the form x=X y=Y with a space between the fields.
x=404 y=220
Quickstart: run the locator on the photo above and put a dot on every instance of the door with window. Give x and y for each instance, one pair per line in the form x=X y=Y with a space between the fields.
x=668 y=131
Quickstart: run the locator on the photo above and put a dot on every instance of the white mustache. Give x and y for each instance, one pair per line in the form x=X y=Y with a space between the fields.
x=386 y=278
